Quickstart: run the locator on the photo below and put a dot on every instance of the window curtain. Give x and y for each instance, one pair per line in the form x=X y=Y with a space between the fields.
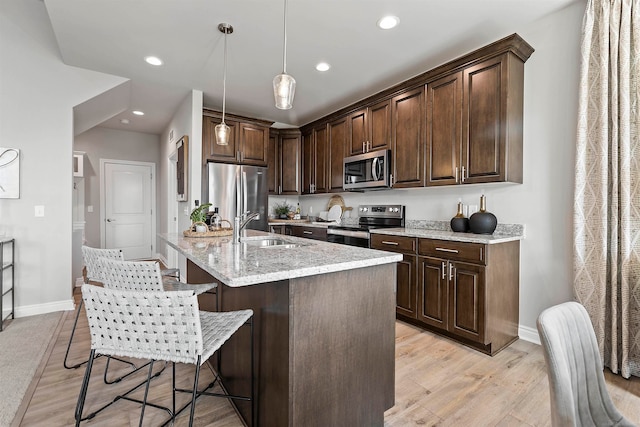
x=607 y=185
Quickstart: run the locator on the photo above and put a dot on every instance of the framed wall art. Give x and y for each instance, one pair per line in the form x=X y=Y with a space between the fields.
x=9 y=173
x=182 y=168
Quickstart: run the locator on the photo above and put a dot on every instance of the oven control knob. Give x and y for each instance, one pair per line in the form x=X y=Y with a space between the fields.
x=365 y=209
x=390 y=209
x=396 y=210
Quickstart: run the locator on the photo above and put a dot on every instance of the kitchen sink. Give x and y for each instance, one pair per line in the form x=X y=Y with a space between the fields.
x=270 y=242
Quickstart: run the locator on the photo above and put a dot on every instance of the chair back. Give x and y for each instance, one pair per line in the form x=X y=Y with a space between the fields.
x=579 y=396
x=131 y=275
x=147 y=325
x=90 y=257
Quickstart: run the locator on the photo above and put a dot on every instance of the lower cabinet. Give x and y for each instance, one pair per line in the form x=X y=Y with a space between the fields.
x=316 y=233
x=466 y=291
x=281 y=229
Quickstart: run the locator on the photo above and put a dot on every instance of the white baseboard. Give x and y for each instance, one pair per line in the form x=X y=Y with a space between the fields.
x=529 y=334
x=50 y=307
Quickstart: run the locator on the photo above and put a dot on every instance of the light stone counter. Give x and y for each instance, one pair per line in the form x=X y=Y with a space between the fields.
x=506 y=235
x=298 y=224
x=238 y=265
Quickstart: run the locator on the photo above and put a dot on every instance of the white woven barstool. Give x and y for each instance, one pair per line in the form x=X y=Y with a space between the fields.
x=90 y=258
x=161 y=326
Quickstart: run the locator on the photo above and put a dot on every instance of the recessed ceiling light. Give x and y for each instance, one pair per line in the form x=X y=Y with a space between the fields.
x=138 y=113
x=322 y=66
x=153 y=60
x=388 y=22
x=124 y=121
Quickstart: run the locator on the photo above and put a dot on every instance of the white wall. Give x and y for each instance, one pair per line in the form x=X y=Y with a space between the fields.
x=544 y=202
x=37 y=96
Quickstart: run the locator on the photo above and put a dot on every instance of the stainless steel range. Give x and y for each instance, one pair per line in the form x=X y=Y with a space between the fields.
x=370 y=217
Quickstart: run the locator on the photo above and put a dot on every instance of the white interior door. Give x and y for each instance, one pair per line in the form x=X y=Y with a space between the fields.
x=128 y=197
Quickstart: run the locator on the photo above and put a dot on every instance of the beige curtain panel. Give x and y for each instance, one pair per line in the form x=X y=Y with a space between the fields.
x=607 y=185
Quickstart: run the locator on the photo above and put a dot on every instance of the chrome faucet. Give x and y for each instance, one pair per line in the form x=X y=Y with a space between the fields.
x=241 y=222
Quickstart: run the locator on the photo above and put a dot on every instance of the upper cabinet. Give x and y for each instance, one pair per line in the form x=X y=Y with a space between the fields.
x=407 y=139
x=474 y=124
x=370 y=128
x=337 y=143
x=248 y=140
x=285 y=162
x=315 y=150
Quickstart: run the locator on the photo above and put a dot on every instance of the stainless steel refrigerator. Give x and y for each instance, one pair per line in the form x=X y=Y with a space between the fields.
x=235 y=189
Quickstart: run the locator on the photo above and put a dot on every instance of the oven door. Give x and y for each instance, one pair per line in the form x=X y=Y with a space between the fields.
x=348 y=237
x=367 y=171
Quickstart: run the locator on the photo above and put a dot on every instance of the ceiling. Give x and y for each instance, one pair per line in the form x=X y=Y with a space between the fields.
x=114 y=36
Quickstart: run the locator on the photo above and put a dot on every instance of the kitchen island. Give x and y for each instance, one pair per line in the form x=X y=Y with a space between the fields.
x=324 y=325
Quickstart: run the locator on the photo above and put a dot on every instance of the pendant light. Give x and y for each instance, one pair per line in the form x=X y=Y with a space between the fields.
x=284 y=85
x=222 y=130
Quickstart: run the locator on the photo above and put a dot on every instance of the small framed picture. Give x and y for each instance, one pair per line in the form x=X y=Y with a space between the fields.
x=182 y=168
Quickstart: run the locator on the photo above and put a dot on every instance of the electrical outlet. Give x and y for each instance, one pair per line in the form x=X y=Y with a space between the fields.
x=39 y=210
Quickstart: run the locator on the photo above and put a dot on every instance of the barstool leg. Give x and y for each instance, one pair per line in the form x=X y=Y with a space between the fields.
x=146 y=393
x=254 y=404
x=195 y=392
x=73 y=331
x=83 y=389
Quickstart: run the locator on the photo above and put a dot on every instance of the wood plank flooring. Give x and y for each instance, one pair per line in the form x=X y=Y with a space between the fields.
x=438 y=382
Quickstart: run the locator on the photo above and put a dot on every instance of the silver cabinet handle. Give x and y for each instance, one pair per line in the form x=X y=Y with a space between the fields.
x=444 y=270
x=368 y=146
x=307 y=232
x=451 y=268
x=456 y=174
x=453 y=251
x=462 y=175
x=363 y=149
x=390 y=243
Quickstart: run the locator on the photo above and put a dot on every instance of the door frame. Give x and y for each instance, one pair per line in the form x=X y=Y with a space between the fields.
x=152 y=192
x=172 y=207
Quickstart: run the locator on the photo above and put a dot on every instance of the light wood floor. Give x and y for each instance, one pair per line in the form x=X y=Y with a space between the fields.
x=438 y=382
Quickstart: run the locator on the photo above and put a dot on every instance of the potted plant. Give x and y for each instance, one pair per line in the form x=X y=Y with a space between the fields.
x=199 y=217
x=281 y=210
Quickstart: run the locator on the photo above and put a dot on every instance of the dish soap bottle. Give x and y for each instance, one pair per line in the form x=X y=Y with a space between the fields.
x=459 y=223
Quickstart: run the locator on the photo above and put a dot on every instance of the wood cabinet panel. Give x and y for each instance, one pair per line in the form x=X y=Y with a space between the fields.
x=393 y=243
x=272 y=164
x=308 y=162
x=337 y=144
x=467 y=301
x=433 y=292
x=379 y=125
x=321 y=163
x=358 y=132
x=408 y=139
x=444 y=129
x=406 y=287
x=457 y=251
x=210 y=149
x=315 y=233
x=254 y=143
x=290 y=156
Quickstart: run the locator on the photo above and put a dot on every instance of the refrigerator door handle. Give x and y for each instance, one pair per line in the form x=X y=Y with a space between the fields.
x=244 y=193
x=239 y=205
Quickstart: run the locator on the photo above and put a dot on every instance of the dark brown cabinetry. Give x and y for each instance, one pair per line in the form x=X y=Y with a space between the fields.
x=370 y=128
x=315 y=233
x=285 y=162
x=337 y=144
x=469 y=291
x=474 y=123
x=314 y=151
x=248 y=140
x=406 y=288
x=407 y=138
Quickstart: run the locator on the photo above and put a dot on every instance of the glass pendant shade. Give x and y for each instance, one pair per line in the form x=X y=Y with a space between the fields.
x=222 y=134
x=284 y=87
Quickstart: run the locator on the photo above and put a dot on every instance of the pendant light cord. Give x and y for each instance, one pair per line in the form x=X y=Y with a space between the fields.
x=284 y=56
x=224 y=76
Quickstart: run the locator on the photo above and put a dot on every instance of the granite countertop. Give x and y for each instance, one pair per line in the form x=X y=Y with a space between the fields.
x=246 y=264
x=301 y=223
x=449 y=235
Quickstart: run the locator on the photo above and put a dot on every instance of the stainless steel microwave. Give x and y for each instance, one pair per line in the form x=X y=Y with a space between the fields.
x=368 y=171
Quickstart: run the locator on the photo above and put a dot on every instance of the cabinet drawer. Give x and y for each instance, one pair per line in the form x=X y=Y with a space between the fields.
x=456 y=251
x=393 y=243
x=309 y=232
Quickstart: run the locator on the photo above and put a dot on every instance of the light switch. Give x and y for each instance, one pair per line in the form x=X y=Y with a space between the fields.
x=90 y=208
x=39 y=210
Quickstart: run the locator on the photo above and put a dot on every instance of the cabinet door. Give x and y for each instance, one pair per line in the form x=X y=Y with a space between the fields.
x=467 y=301
x=289 y=164
x=379 y=125
x=433 y=292
x=358 y=132
x=272 y=164
x=337 y=143
x=322 y=151
x=407 y=137
x=254 y=144
x=484 y=119
x=308 y=162
x=444 y=130
x=211 y=150
x=406 y=287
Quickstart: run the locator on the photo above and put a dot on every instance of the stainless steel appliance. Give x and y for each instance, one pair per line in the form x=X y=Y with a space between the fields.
x=368 y=171
x=235 y=189
x=370 y=217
